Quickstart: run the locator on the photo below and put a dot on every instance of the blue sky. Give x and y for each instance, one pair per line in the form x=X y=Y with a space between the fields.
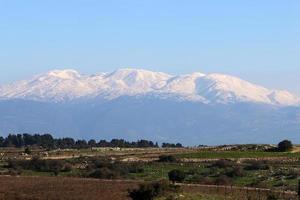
x=256 y=40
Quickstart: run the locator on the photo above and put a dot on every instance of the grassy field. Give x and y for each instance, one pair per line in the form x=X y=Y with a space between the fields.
x=236 y=154
x=276 y=176
x=255 y=169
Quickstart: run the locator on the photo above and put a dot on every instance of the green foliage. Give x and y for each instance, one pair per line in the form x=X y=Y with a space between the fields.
x=149 y=191
x=285 y=146
x=36 y=164
x=237 y=171
x=47 y=141
x=176 y=175
x=222 y=163
x=167 y=158
x=106 y=169
x=171 y=145
x=257 y=165
x=104 y=173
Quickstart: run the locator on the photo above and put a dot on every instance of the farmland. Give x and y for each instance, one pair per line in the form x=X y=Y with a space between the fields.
x=62 y=188
x=209 y=173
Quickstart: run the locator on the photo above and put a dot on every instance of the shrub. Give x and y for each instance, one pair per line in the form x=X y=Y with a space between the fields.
x=285 y=145
x=99 y=163
x=135 y=169
x=192 y=171
x=167 y=158
x=236 y=172
x=223 y=163
x=13 y=164
x=55 y=166
x=149 y=191
x=36 y=164
x=257 y=165
x=213 y=171
x=223 y=180
x=176 y=175
x=115 y=169
x=104 y=173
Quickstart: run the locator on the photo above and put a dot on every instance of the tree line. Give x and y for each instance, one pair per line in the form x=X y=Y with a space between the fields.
x=48 y=141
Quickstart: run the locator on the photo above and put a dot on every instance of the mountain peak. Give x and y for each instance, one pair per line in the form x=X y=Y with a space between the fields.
x=64 y=74
x=124 y=72
x=68 y=84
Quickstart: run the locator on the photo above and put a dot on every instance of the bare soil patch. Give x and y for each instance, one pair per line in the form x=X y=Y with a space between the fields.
x=58 y=188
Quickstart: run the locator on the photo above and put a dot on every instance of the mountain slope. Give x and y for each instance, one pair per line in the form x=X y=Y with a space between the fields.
x=151 y=118
x=138 y=104
x=69 y=85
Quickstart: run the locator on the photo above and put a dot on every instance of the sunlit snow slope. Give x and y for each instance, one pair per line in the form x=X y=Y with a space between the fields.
x=67 y=85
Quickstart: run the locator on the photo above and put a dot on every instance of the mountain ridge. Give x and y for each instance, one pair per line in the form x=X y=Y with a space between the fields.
x=135 y=104
x=68 y=85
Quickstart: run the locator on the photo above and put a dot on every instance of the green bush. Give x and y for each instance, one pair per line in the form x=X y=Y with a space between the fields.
x=222 y=163
x=176 y=175
x=149 y=191
x=37 y=164
x=237 y=171
x=116 y=169
x=257 y=165
x=104 y=173
x=167 y=158
x=285 y=145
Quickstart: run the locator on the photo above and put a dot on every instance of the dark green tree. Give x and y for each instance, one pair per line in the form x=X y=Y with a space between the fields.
x=149 y=191
x=92 y=143
x=176 y=175
x=285 y=145
x=1 y=141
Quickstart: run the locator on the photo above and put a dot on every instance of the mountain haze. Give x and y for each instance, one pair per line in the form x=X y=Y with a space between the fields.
x=193 y=108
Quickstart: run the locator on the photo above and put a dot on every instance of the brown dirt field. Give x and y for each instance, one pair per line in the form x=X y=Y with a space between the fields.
x=62 y=188
x=57 y=188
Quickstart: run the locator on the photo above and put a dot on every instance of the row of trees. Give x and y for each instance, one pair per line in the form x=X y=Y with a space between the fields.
x=171 y=145
x=48 y=141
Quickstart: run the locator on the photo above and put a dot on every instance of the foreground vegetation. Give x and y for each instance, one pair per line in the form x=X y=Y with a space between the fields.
x=207 y=168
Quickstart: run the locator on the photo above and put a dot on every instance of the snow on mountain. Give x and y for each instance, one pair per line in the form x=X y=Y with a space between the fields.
x=53 y=86
x=66 y=85
x=133 y=82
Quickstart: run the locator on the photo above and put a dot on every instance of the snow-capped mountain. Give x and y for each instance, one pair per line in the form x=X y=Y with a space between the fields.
x=138 y=104
x=69 y=85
